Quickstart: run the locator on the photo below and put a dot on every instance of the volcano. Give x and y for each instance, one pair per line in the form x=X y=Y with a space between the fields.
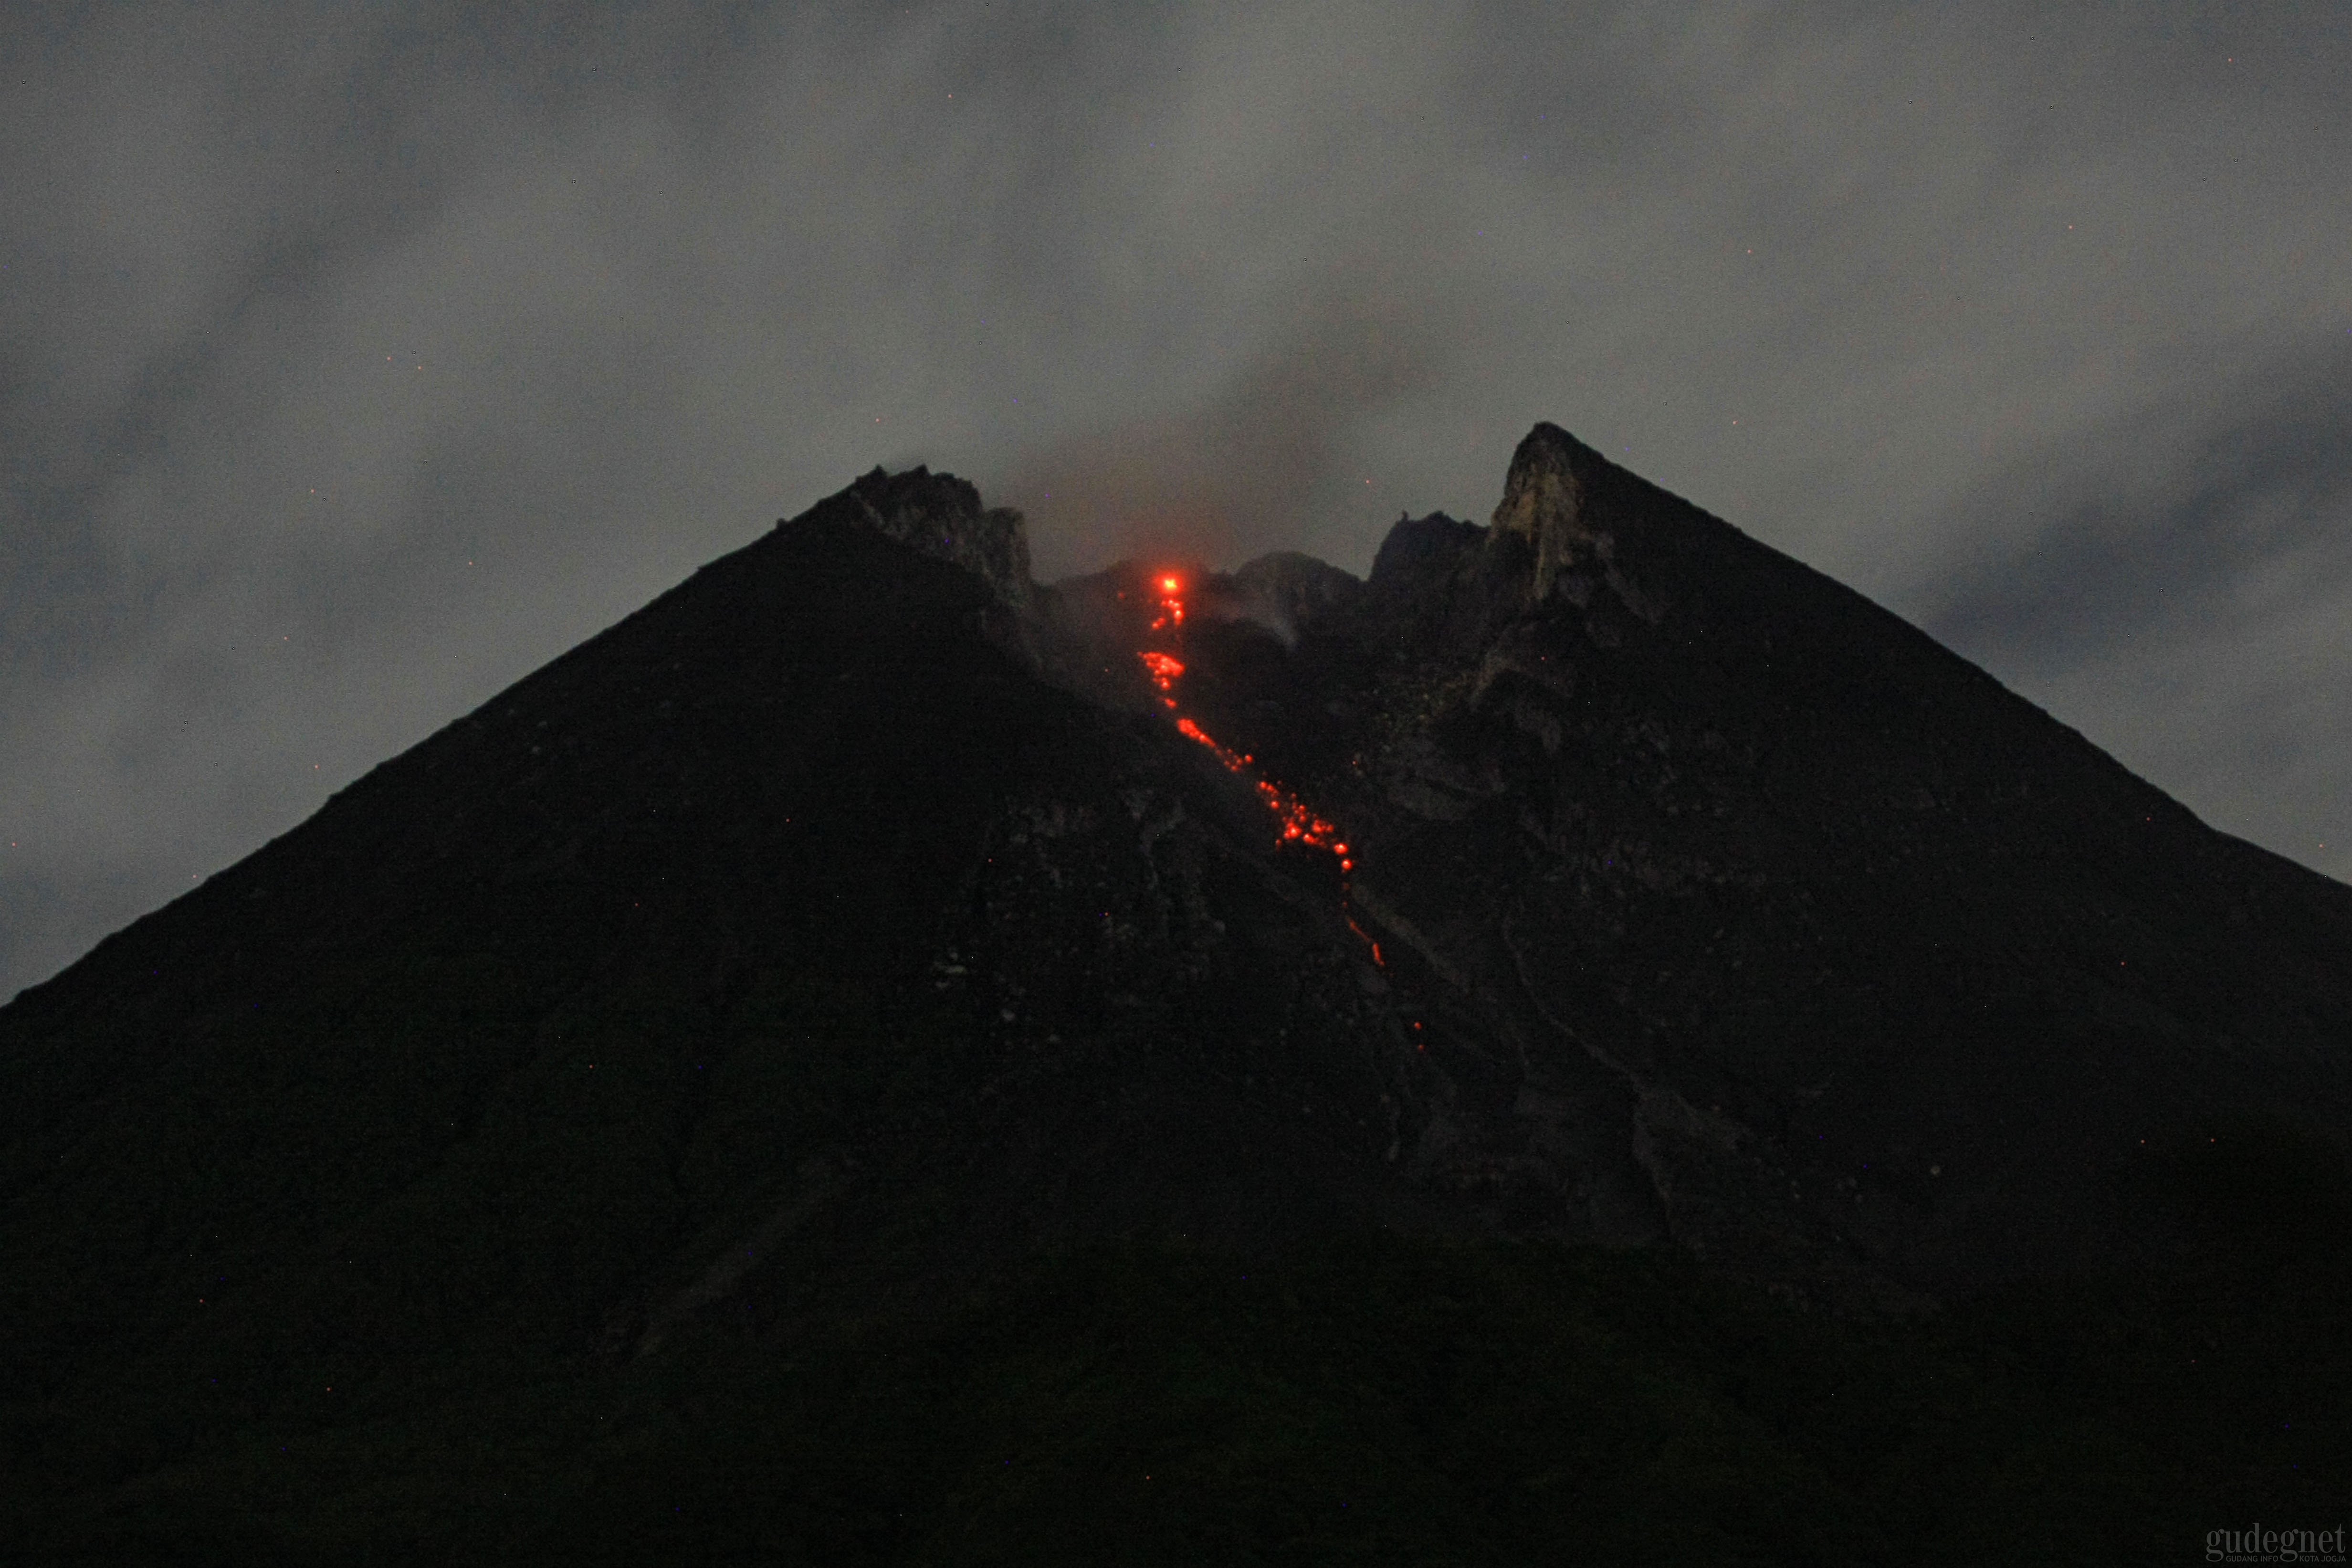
x=872 y=1056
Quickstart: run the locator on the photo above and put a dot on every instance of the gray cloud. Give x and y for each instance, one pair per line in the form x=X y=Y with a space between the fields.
x=1268 y=457
x=2181 y=582
x=353 y=362
x=2171 y=525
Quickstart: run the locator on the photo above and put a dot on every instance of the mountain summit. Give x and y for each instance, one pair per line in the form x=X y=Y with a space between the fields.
x=1735 y=911
x=1543 y=504
x=860 y=922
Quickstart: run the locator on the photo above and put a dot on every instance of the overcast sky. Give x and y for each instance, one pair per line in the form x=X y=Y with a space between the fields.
x=355 y=362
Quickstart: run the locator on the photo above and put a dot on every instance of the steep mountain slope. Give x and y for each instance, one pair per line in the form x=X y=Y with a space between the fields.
x=1858 y=956
x=536 y=1016
x=745 y=1004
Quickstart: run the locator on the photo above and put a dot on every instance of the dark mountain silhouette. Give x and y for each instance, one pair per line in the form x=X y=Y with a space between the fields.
x=1595 y=982
x=1860 y=959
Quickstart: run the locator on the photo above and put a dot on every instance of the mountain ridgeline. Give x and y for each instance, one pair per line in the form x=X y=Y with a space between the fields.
x=1587 y=917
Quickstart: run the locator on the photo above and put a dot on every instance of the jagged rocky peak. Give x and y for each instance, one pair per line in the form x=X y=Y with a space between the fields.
x=941 y=516
x=1544 y=504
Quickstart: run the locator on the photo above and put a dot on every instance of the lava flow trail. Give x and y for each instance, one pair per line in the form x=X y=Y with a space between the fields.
x=1300 y=823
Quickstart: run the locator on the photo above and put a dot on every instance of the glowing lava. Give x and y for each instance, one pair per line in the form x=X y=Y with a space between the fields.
x=1301 y=824
x=1172 y=607
x=1164 y=668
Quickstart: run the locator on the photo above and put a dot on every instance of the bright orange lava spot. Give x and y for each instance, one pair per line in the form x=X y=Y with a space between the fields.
x=1300 y=823
x=1172 y=604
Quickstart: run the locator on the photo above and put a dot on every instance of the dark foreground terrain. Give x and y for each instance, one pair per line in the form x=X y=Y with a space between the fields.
x=1369 y=1400
x=828 y=1070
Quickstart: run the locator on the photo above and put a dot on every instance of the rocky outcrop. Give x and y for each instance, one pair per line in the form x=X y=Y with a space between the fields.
x=1543 y=505
x=941 y=516
x=1555 y=509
